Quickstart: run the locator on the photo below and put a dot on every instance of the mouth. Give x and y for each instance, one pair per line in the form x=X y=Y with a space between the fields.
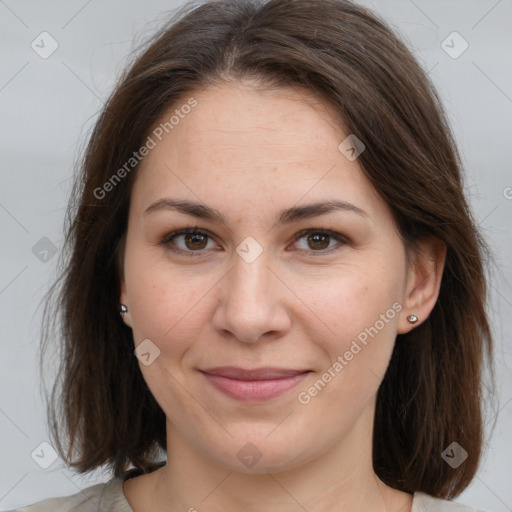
x=253 y=385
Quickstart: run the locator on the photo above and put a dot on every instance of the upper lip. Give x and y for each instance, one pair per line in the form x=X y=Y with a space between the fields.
x=265 y=373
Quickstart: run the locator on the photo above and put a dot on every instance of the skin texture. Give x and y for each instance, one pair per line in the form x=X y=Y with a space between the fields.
x=250 y=153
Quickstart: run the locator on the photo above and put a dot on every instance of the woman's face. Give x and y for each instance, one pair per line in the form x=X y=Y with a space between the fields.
x=275 y=280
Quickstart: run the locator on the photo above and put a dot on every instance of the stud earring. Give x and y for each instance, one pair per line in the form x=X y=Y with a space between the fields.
x=123 y=309
x=412 y=319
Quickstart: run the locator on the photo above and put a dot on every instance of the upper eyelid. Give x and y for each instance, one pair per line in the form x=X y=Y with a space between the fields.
x=330 y=232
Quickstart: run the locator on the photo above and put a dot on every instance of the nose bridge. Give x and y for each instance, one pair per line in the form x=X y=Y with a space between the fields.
x=249 y=284
x=249 y=302
x=249 y=276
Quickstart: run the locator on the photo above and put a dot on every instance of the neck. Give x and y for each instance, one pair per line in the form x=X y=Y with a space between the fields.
x=341 y=479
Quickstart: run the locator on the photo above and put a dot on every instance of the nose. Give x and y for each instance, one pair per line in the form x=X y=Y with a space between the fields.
x=251 y=303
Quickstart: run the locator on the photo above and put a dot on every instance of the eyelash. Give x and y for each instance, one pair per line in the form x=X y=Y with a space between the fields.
x=167 y=239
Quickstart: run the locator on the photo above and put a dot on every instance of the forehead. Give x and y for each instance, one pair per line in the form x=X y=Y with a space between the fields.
x=238 y=118
x=242 y=140
x=245 y=107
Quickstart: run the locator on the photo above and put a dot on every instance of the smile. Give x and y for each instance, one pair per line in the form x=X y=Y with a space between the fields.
x=258 y=385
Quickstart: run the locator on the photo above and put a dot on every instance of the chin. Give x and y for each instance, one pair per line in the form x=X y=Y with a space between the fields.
x=257 y=455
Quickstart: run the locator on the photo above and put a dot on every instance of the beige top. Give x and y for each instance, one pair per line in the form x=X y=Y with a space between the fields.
x=109 y=497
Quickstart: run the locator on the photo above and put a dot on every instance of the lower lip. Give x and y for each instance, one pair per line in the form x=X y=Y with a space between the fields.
x=254 y=390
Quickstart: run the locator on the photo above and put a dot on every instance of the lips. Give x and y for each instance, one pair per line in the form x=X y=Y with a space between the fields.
x=253 y=385
x=231 y=372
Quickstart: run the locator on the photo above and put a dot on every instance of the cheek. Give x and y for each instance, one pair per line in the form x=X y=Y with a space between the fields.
x=362 y=314
x=346 y=304
x=164 y=304
x=353 y=321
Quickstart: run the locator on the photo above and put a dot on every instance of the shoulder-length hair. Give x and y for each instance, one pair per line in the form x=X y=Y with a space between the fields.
x=101 y=410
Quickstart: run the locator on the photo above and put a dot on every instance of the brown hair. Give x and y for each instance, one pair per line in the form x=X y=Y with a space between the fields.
x=431 y=394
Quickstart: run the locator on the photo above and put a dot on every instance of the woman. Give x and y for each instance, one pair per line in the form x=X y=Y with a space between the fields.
x=272 y=201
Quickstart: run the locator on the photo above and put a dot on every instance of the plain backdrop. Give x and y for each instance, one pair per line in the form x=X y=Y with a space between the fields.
x=48 y=106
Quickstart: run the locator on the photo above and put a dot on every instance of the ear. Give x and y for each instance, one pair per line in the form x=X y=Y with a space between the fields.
x=123 y=296
x=424 y=275
x=123 y=299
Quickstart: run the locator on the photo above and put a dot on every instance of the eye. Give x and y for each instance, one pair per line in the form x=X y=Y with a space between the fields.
x=319 y=240
x=193 y=240
x=187 y=240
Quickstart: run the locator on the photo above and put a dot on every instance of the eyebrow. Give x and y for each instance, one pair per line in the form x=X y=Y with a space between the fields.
x=285 y=216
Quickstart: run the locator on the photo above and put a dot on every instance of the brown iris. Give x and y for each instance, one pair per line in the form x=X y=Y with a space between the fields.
x=196 y=240
x=320 y=240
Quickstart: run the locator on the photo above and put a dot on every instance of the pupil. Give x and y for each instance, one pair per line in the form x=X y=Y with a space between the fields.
x=316 y=238
x=196 y=239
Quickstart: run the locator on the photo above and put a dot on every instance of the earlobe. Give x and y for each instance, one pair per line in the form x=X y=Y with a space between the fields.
x=124 y=312
x=123 y=309
x=423 y=283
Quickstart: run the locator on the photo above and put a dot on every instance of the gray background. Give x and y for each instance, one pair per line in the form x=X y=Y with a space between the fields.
x=48 y=105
